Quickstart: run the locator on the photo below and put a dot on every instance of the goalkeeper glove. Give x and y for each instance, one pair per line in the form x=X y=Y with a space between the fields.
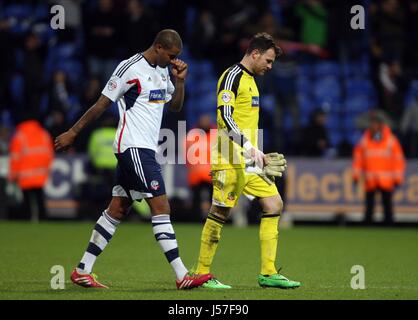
x=275 y=166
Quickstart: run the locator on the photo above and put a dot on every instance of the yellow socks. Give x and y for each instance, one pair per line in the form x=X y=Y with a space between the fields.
x=269 y=235
x=209 y=242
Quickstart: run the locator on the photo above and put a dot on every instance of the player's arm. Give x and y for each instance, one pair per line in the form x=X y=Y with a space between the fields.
x=120 y=82
x=65 y=140
x=227 y=93
x=236 y=135
x=179 y=71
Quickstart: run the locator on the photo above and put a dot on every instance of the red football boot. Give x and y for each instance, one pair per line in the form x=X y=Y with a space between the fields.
x=191 y=281
x=86 y=280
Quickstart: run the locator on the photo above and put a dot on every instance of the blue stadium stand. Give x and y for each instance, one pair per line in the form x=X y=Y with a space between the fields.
x=327 y=68
x=327 y=89
x=411 y=94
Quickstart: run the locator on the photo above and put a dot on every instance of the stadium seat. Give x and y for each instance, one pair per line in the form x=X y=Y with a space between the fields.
x=17 y=87
x=304 y=84
x=356 y=69
x=327 y=89
x=268 y=103
x=306 y=69
x=360 y=86
x=327 y=68
x=333 y=121
x=335 y=137
x=357 y=103
x=411 y=93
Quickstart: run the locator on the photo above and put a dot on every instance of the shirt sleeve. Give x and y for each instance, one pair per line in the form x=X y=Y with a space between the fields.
x=119 y=82
x=227 y=93
x=170 y=89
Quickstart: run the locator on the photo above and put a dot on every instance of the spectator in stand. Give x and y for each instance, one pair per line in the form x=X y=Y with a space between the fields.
x=313 y=17
x=102 y=30
x=388 y=30
x=203 y=35
x=409 y=129
x=139 y=27
x=33 y=66
x=315 y=140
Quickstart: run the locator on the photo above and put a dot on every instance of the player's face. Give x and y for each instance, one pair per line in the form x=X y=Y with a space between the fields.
x=166 y=56
x=263 y=62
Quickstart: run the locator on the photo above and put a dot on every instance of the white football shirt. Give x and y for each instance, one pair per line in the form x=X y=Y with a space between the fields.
x=141 y=91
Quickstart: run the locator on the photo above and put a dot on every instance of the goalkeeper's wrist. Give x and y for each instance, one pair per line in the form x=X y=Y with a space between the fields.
x=247 y=145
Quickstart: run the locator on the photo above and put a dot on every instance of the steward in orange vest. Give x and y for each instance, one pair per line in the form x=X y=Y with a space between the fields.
x=197 y=147
x=31 y=155
x=379 y=158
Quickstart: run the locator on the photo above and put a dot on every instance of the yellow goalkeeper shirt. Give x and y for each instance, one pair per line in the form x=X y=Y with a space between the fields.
x=237 y=117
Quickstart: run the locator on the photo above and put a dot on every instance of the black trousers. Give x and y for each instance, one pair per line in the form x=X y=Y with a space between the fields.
x=387 y=206
x=33 y=205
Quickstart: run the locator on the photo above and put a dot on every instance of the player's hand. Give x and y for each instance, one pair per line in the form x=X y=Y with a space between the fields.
x=65 y=140
x=258 y=157
x=276 y=164
x=179 y=69
x=254 y=156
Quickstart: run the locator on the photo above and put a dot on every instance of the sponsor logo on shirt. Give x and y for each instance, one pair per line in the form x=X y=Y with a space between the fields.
x=157 y=96
x=255 y=101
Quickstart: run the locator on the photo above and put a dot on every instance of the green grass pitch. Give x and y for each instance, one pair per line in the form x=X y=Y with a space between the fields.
x=135 y=268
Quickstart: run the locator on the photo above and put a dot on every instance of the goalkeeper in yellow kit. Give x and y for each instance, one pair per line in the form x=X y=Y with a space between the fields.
x=239 y=167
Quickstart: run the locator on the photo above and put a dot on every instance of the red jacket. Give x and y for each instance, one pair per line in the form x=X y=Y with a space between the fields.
x=198 y=147
x=31 y=155
x=381 y=162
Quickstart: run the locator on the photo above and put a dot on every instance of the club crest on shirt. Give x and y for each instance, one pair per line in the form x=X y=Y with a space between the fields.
x=163 y=77
x=231 y=196
x=112 y=84
x=155 y=185
x=226 y=97
x=157 y=96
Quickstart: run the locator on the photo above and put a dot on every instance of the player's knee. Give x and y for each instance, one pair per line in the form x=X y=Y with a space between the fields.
x=117 y=213
x=118 y=209
x=275 y=206
x=159 y=206
x=221 y=212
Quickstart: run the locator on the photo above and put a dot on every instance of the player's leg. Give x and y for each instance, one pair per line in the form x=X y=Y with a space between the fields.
x=166 y=238
x=269 y=235
x=272 y=206
x=227 y=188
x=102 y=233
x=269 y=232
x=211 y=234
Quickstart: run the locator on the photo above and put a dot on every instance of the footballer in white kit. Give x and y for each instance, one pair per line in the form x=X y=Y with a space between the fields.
x=141 y=90
x=141 y=86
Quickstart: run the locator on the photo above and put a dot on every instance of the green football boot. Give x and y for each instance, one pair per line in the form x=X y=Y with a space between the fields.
x=215 y=284
x=277 y=281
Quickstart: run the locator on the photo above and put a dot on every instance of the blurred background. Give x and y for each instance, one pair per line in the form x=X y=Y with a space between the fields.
x=315 y=104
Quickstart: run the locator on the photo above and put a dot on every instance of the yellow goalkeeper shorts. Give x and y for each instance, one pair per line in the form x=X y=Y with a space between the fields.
x=229 y=184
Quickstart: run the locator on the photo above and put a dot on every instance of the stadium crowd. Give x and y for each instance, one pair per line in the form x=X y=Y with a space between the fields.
x=317 y=96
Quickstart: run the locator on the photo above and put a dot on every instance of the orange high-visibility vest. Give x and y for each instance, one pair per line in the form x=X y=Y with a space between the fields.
x=31 y=155
x=197 y=147
x=381 y=162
